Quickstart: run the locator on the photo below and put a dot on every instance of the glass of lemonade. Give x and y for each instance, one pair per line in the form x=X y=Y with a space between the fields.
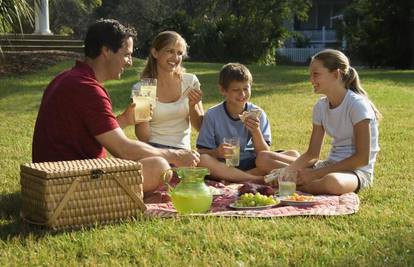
x=142 y=108
x=287 y=182
x=233 y=159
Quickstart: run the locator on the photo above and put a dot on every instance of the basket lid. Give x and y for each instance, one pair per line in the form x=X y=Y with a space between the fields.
x=60 y=169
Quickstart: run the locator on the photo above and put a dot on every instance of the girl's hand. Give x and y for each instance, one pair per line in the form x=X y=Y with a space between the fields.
x=305 y=176
x=252 y=124
x=194 y=96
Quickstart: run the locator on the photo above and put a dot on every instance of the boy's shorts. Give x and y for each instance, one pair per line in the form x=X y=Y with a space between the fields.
x=364 y=178
x=245 y=164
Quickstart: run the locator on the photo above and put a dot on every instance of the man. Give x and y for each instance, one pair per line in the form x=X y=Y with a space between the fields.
x=76 y=121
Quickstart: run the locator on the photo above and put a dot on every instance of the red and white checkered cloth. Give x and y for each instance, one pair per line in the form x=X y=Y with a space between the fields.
x=327 y=205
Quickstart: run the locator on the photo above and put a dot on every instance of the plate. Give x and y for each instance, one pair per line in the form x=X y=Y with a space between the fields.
x=232 y=206
x=286 y=201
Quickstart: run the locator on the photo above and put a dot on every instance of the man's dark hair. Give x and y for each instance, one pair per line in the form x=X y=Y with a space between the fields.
x=106 y=32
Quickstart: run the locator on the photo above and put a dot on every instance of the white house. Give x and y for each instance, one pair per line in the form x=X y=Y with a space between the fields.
x=317 y=33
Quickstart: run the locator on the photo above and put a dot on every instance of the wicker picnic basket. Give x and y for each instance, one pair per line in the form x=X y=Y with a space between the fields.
x=71 y=194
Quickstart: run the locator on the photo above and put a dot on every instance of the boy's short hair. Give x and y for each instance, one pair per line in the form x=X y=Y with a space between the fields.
x=106 y=32
x=234 y=72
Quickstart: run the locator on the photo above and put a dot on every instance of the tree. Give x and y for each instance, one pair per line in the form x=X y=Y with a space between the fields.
x=72 y=17
x=13 y=13
x=216 y=30
x=380 y=33
x=243 y=30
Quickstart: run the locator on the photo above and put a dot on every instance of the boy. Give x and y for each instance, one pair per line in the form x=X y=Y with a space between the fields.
x=224 y=120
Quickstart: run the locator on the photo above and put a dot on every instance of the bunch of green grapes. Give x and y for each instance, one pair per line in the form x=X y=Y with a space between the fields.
x=254 y=200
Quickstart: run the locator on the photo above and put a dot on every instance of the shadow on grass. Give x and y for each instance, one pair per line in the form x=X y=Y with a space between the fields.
x=267 y=81
x=15 y=226
x=403 y=77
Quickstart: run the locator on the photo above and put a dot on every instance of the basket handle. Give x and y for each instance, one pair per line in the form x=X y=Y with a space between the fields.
x=133 y=195
x=58 y=209
x=164 y=179
x=64 y=201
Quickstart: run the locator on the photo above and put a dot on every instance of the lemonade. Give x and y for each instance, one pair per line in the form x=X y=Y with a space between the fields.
x=286 y=188
x=186 y=202
x=149 y=91
x=234 y=159
x=142 y=108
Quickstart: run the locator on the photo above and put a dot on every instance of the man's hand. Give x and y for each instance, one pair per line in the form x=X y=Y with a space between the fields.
x=186 y=158
x=127 y=117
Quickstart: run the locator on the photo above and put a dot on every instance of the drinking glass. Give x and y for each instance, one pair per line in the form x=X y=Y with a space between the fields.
x=142 y=108
x=233 y=159
x=287 y=182
x=149 y=89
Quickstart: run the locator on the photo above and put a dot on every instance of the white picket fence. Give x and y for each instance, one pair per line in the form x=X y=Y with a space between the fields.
x=298 y=55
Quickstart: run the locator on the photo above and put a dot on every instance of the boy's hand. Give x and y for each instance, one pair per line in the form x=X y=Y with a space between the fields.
x=224 y=151
x=252 y=124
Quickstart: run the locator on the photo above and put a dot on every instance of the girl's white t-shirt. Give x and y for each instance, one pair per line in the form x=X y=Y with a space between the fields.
x=170 y=124
x=339 y=124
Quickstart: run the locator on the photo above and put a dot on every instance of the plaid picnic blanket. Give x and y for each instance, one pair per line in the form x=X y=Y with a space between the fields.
x=326 y=205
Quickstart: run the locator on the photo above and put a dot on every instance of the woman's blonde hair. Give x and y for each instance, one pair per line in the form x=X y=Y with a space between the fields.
x=336 y=60
x=162 y=40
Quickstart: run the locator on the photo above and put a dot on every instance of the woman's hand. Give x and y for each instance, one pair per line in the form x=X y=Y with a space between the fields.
x=194 y=96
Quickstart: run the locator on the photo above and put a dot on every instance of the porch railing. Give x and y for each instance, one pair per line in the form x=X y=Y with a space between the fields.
x=298 y=55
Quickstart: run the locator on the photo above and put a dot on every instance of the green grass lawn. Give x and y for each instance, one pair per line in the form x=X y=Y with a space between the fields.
x=380 y=234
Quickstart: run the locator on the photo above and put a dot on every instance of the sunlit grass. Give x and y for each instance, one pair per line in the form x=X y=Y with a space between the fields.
x=380 y=234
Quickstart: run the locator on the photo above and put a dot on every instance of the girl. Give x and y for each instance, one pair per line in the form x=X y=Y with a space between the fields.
x=350 y=118
x=178 y=95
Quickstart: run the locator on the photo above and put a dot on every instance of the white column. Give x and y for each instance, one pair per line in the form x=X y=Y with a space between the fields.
x=42 y=17
x=323 y=36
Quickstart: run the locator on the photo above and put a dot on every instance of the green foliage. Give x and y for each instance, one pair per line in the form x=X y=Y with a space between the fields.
x=216 y=30
x=13 y=14
x=72 y=17
x=245 y=31
x=381 y=233
x=301 y=41
x=380 y=33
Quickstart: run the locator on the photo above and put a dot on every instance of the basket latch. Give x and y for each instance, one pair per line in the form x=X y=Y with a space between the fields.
x=97 y=173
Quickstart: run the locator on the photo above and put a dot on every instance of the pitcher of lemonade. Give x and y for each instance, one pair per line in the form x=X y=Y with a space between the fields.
x=191 y=195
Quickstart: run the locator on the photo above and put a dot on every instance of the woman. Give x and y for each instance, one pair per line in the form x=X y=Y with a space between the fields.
x=178 y=103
